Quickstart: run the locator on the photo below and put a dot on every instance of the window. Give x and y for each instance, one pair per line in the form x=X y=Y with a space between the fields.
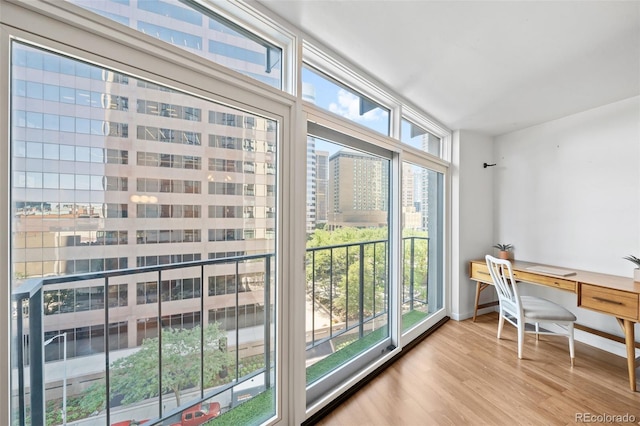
x=347 y=266
x=420 y=138
x=422 y=244
x=76 y=212
x=110 y=171
x=347 y=103
x=199 y=30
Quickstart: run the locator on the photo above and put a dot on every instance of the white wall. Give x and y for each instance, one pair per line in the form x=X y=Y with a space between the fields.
x=472 y=230
x=567 y=192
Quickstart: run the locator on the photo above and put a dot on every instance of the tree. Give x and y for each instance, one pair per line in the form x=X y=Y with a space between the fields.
x=135 y=377
x=332 y=275
x=335 y=273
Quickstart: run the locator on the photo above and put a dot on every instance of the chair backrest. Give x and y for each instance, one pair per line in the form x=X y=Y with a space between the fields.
x=505 y=283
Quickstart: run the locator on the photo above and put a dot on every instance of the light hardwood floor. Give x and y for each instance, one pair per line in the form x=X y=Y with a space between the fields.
x=463 y=375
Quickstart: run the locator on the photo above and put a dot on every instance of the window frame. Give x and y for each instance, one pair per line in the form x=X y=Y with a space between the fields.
x=78 y=34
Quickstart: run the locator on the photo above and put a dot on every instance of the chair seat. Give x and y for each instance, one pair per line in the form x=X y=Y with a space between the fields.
x=536 y=308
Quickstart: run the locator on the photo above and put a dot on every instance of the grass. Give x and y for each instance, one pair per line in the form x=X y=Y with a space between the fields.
x=343 y=355
x=252 y=412
x=411 y=318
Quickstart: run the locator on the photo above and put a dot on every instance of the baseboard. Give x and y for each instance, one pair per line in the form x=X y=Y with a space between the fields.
x=467 y=315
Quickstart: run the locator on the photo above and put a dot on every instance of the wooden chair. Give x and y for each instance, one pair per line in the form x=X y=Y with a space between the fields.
x=520 y=310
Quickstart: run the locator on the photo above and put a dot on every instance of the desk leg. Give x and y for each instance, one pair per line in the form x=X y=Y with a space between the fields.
x=479 y=288
x=629 y=339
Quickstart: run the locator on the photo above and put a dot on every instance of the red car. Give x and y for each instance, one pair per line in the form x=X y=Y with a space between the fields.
x=199 y=414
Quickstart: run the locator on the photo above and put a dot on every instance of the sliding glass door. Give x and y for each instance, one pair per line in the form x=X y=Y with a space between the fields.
x=347 y=262
x=422 y=246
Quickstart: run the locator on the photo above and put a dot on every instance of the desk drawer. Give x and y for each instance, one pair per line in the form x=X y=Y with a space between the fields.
x=615 y=302
x=480 y=272
x=554 y=282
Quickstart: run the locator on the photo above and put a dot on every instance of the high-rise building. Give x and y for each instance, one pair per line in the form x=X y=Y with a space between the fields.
x=113 y=172
x=349 y=206
x=410 y=217
x=322 y=186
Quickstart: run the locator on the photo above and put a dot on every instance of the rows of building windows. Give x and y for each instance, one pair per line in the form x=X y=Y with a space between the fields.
x=235 y=52
x=230 y=142
x=231 y=234
x=227 y=284
x=233 y=120
x=249 y=189
x=40 y=60
x=164 y=236
x=62 y=301
x=154 y=211
x=70 y=95
x=71 y=181
x=170 y=290
x=246 y=316
x=168 y=185
x=225 y=254
x=237 y=166
x=71 y=124
x=51 y=151
x=166 y=259
x=160 y=134
x=46 y=239
x=240 y=144
x=148 y=327
x=69 y=210
x=117 y=210
x=68 y=266
x=233 y=49
x=169 y=110
x=245 y=212
x=172 y=36
x=89 y=340
x=175 y=161
x=176 y=12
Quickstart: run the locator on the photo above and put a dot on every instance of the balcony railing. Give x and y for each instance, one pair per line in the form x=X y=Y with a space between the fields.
x=347 y=287
x=347 y=283
x=30 y=343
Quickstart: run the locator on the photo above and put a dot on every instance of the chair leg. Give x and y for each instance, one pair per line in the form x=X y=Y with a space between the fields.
x=520 y=338
x=500 y=324
x=537 y=331
x=571 y=344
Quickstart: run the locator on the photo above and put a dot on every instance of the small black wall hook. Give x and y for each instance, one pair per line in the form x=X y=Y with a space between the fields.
x=485 y=165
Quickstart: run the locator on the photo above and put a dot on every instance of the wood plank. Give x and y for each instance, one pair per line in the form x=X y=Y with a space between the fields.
x=462 y=374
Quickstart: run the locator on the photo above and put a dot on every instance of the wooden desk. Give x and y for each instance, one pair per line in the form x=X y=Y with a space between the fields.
x=608 y=294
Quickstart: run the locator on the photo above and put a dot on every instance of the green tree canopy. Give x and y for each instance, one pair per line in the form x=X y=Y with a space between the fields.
x=333 y=275
x=135 y=377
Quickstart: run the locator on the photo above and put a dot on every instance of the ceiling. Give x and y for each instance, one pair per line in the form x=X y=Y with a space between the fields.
x=487 y=66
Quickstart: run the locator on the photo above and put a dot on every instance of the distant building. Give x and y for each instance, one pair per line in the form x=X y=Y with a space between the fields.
x=322 y=186
x=358 y=190
x=114 y=172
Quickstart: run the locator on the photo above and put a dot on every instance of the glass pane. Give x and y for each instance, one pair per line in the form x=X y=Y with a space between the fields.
x=418 y=137
x=207 y=35
x=76 y=211
x=422 y=231
x=337 y=98
x=347 y=270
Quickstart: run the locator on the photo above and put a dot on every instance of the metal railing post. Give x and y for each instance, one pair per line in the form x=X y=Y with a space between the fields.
x=267 y=322
x=36 y=358
x=106 y=353
x=411 y=280
x=361 y=294
x=19 y=362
